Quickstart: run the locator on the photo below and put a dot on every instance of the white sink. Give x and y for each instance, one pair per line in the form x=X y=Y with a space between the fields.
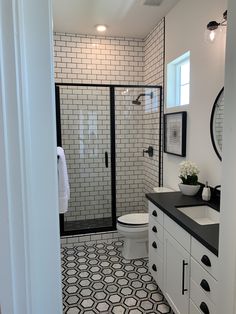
x=202 y=214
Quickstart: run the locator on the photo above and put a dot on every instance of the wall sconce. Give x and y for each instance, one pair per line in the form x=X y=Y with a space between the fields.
x=211 y=31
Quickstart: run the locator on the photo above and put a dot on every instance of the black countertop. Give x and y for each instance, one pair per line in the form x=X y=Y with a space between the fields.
x=208 y=235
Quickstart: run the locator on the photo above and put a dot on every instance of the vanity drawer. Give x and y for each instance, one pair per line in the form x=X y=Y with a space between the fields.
x=200 y=299
x=204 y=280
x=156 y=246
x=205 y=258
x=178 y=233
x=156 y=268
x=155 y=213
x=155 y=229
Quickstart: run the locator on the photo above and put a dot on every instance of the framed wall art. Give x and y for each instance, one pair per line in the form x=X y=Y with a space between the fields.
x=175 y=133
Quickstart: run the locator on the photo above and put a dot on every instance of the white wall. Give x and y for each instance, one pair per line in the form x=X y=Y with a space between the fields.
x=153 y=74
x=185 y=26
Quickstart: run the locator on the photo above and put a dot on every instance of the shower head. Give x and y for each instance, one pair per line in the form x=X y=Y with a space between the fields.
x=138 y=102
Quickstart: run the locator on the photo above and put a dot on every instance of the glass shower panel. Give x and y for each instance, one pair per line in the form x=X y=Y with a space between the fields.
x=137 y=114
x=85 y=130
x=129 y=171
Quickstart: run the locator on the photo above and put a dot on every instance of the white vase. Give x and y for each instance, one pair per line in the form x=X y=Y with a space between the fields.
x=189 y=190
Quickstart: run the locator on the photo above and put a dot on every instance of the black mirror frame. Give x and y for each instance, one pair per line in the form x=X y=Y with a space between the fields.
x=212 y=124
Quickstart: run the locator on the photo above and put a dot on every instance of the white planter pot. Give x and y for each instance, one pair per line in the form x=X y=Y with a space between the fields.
x=189 y=190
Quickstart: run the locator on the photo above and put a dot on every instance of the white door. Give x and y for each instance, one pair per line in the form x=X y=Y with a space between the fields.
x=176 y=275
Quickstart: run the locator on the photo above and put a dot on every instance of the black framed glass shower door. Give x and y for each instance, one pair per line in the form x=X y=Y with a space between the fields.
x=85 y=119
x=87 y=123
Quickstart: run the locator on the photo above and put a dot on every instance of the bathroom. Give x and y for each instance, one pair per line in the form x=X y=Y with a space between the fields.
x=181 y=32
x=130 y=62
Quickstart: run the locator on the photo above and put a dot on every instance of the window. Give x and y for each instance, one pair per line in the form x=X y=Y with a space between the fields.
x=178 y=81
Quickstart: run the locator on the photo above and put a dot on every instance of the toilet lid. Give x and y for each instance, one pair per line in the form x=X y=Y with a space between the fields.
x=134 y=219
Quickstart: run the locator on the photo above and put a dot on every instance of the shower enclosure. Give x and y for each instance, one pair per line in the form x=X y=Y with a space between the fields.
x=105 y=131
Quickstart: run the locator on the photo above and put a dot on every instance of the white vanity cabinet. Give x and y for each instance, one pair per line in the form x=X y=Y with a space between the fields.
x=183 y=268
x=176 y=275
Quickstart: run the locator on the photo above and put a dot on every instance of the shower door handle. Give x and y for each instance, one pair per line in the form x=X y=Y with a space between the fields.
x=106 y=159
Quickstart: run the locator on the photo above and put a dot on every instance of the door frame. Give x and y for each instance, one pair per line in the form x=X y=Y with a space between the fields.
x=30 y=274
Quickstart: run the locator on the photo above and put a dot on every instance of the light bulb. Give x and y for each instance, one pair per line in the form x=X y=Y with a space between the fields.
x=101 y=28
x=210 y=36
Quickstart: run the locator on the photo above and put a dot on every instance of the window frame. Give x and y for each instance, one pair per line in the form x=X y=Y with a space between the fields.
x=174 y=81
x=178 y=83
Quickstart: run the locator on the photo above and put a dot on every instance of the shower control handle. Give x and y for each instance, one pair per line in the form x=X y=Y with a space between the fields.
x=106 y=159
x=148 y=151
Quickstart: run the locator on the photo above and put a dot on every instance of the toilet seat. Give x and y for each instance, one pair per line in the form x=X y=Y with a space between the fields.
x=134 y=220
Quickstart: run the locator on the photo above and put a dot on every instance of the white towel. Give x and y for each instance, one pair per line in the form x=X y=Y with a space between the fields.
x=63 y=181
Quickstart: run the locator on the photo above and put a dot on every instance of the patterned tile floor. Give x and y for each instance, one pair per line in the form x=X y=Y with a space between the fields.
x=96 y=279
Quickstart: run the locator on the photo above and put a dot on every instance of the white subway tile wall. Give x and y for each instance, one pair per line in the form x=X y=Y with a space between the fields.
x=92 y=59
x=153 y=74
x=85 y=119
x=90 y=239
x=129 y=159
x=218 y=122
x=85 y=127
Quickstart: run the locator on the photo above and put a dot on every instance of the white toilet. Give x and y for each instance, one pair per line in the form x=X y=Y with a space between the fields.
x=134 y=229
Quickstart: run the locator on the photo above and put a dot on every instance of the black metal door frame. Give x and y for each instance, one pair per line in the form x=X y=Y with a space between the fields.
x=112 y=88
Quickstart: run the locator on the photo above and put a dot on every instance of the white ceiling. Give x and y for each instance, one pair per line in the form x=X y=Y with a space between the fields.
x=124 y=18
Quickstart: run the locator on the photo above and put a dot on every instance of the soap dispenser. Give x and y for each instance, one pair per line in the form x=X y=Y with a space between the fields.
x=206 y=193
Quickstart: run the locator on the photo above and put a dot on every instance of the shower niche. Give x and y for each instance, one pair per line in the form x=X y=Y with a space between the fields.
x=104 y=130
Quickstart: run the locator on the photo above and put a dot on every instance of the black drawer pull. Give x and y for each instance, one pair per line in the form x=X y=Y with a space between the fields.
x=154 y=245
x=206 y=261
x=154 y=229
x=154 y=213
x=204 y=308
x=183 y=277
x=205 y=285
x=154 y=267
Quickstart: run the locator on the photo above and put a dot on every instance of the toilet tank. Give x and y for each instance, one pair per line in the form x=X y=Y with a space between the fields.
x=162 y=189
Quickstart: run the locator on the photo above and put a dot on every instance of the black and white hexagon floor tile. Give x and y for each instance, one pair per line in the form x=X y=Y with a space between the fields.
x=96 y=279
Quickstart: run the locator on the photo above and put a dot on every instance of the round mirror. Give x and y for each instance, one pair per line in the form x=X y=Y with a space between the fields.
x=217 y=117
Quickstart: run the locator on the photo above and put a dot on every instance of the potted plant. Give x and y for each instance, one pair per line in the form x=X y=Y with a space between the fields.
x=189 y=176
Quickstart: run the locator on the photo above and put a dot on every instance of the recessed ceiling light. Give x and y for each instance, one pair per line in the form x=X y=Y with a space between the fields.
x=101 y=28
